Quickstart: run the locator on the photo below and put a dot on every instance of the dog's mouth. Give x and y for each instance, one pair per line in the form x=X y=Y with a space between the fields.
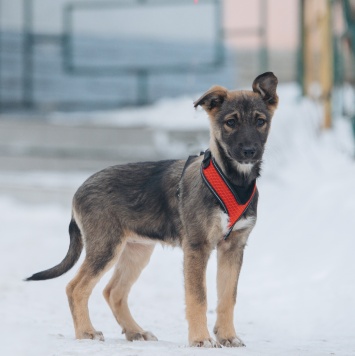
x=243 y=161
x=246 y=162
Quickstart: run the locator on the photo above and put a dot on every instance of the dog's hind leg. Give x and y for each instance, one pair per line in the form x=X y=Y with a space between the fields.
x=79 y=289
x=132 y=261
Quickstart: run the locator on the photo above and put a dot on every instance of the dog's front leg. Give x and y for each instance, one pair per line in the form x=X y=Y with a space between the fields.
x=229 y=259
x=195 y=263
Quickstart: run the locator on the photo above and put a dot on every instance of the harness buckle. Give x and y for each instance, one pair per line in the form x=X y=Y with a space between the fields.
x=206 y=159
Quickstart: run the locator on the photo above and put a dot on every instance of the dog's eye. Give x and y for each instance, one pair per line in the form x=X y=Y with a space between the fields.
x=260 y=122
x=230 y=123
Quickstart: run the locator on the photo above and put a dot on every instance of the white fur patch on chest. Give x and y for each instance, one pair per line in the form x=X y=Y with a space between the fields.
x=244 y=167
x=242 y=223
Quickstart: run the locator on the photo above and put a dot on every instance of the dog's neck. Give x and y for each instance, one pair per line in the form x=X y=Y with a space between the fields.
x=240 y=175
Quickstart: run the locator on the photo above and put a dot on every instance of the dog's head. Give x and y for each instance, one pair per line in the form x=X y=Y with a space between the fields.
x=240 y=120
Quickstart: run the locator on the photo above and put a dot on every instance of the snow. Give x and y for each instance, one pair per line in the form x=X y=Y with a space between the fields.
x=296 y=291
x=166 y=113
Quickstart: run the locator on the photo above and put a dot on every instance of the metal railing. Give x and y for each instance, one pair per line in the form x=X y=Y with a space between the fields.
x=141 y=72
x=65 y=41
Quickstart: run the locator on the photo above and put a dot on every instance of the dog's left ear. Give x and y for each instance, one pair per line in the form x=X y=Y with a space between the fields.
x=265 y=85
x=212 y=99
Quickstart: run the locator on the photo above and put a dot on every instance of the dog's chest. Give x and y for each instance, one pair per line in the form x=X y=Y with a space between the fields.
x=243 y=223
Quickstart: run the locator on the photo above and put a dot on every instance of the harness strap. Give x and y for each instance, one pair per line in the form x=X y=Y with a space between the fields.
x=187 y=163
x=222 y=189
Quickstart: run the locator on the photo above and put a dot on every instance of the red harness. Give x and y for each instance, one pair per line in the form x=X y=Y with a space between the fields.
x=222 y=190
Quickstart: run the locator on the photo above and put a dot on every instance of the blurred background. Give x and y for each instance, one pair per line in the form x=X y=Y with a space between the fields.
x=78 y=62
x=88 y=84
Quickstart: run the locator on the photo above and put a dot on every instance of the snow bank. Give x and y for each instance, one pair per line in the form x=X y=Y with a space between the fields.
x=164 y=114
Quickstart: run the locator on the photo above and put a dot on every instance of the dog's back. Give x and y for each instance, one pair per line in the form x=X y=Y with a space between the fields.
x=134 y=199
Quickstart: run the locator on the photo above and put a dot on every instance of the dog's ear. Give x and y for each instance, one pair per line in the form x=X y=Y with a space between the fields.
x=265 y=85
x=212 y=99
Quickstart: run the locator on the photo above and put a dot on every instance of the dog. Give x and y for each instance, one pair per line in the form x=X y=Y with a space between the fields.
x=122 y=211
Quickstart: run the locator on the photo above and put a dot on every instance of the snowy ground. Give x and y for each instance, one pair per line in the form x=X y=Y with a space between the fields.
x=296 y=292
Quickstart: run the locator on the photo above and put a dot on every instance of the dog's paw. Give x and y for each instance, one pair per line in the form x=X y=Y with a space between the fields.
x=208 y=343
x=148 y=336
x=232 y=342
x=93 y=335
x=140 y=336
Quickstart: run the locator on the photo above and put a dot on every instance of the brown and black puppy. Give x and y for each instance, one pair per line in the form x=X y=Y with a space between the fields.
x=122 y=211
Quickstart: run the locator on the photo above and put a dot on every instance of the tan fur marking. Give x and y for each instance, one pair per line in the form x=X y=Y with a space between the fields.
x=195 y=263
x=78 y=291
x=134 y=258
x=230 y=259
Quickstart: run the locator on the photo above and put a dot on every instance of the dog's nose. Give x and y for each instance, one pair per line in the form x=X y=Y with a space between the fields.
x=248 y=152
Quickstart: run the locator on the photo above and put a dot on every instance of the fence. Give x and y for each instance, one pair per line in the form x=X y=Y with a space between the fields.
x=60 y=67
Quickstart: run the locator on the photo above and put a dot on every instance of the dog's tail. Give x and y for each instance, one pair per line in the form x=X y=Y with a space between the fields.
x=73 y=254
